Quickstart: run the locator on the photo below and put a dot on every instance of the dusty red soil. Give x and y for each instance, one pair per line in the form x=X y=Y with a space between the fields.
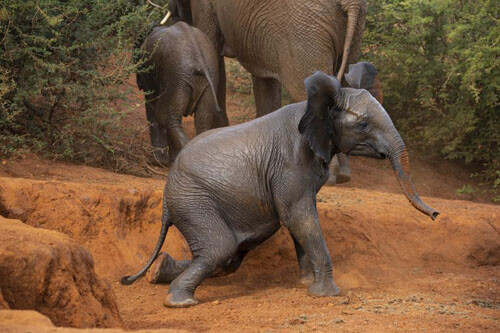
x=397 y=269
x=47 y=271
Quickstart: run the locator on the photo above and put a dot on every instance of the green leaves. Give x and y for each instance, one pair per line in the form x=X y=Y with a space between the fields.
x=63 y=65
x=439 y=67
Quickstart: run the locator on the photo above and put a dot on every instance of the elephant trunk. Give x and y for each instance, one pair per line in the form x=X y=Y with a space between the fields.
x=399 y=161
x=352 y=20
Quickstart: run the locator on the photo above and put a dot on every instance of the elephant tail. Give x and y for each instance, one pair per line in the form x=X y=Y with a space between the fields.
x=214 y=91
x=353 y=11
x=165 y=224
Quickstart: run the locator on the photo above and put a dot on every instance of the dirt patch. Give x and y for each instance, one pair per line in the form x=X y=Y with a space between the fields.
x=45 y=271
x=383 y=251
x=32 y=321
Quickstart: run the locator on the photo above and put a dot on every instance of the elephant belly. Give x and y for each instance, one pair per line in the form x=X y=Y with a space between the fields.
x=248 y=239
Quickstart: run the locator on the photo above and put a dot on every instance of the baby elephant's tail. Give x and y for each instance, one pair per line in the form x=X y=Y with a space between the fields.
x=127 y=280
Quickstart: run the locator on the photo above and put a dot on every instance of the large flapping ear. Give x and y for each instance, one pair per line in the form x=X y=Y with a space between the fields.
x=364 y=75
x=316 y=126
x=181 y=10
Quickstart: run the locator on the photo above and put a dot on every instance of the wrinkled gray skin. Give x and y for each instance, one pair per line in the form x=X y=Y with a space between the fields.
x=182 y=79
x=232 y=188
x=361 y=75
x=280 y=43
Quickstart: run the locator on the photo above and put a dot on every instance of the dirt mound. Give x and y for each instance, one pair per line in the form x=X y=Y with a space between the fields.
x=118 y=224
x=32 y=321
x=384 y=253
x=3 y=303
x=367 y=232
x=46 y=271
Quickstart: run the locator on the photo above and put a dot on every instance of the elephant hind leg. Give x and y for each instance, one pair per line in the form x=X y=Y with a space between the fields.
x=207 y=116
x=165 y=269
x=232 y=266
x=344 y=175
x=339 y=170
x=267 y=93
x=212 y=247
x=170 y=108
x=158 y=135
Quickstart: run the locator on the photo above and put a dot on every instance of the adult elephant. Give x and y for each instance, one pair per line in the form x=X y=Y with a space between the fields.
x=280 y=42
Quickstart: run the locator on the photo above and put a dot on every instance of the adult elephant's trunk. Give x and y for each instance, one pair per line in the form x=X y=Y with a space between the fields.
x=352 y=21
x=399 y=161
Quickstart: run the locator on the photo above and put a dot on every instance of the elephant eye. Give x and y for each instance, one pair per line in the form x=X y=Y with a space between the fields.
x=363 y=125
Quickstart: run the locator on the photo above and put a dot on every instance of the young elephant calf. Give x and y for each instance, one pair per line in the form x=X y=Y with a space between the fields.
x=180 y=76
x=229 y=188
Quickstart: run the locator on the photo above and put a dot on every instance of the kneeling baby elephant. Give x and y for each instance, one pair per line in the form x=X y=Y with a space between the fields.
x=230 y=188
x=180 y=75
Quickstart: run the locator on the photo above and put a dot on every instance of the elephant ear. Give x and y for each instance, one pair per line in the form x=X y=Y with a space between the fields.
x=317 y=123
x=181 y=10
x=364 y=75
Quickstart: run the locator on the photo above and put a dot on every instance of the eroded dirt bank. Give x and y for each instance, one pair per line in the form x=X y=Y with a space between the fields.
x=46 y=271
x=396 y=268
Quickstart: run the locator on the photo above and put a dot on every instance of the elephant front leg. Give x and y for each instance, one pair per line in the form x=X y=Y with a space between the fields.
x=305 y=265
x=267 y=94
x=304 y=226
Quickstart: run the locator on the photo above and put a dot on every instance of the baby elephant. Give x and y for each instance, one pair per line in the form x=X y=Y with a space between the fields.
x=180 y=75
x=229 y=188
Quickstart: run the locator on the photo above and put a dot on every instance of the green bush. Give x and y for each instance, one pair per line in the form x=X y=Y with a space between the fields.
x=63 y=65
x=439 y=65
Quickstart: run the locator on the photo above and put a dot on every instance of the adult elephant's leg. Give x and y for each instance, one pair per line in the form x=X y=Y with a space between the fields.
x=221 y=89
x=339 y=170
x=302 y=221
x=267 y=93
x=305 y=265
x=344 y=174
x=158 y=135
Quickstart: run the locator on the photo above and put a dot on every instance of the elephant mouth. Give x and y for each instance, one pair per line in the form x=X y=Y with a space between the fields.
x=367 y=150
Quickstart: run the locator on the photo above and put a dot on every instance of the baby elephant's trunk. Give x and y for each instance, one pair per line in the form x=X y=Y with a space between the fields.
x=399 y=161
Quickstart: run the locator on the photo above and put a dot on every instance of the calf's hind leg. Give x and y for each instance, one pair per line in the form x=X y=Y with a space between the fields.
x=213 y=246
x=166 y=269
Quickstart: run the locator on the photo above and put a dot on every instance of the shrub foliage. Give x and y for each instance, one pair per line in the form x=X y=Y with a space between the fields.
x=63 y=65
x=439 y=66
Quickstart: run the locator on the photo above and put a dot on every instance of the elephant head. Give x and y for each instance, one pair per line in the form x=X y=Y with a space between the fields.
x=363 y=75
x=351 y=121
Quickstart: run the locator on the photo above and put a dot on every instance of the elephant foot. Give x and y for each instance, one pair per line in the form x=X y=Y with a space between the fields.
x=320 y=289
x=332 y=180
x=179 y=300
x=165 y=269
x=154 y=275
x=342 y=178
x=306 y=279
x=160 y=157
